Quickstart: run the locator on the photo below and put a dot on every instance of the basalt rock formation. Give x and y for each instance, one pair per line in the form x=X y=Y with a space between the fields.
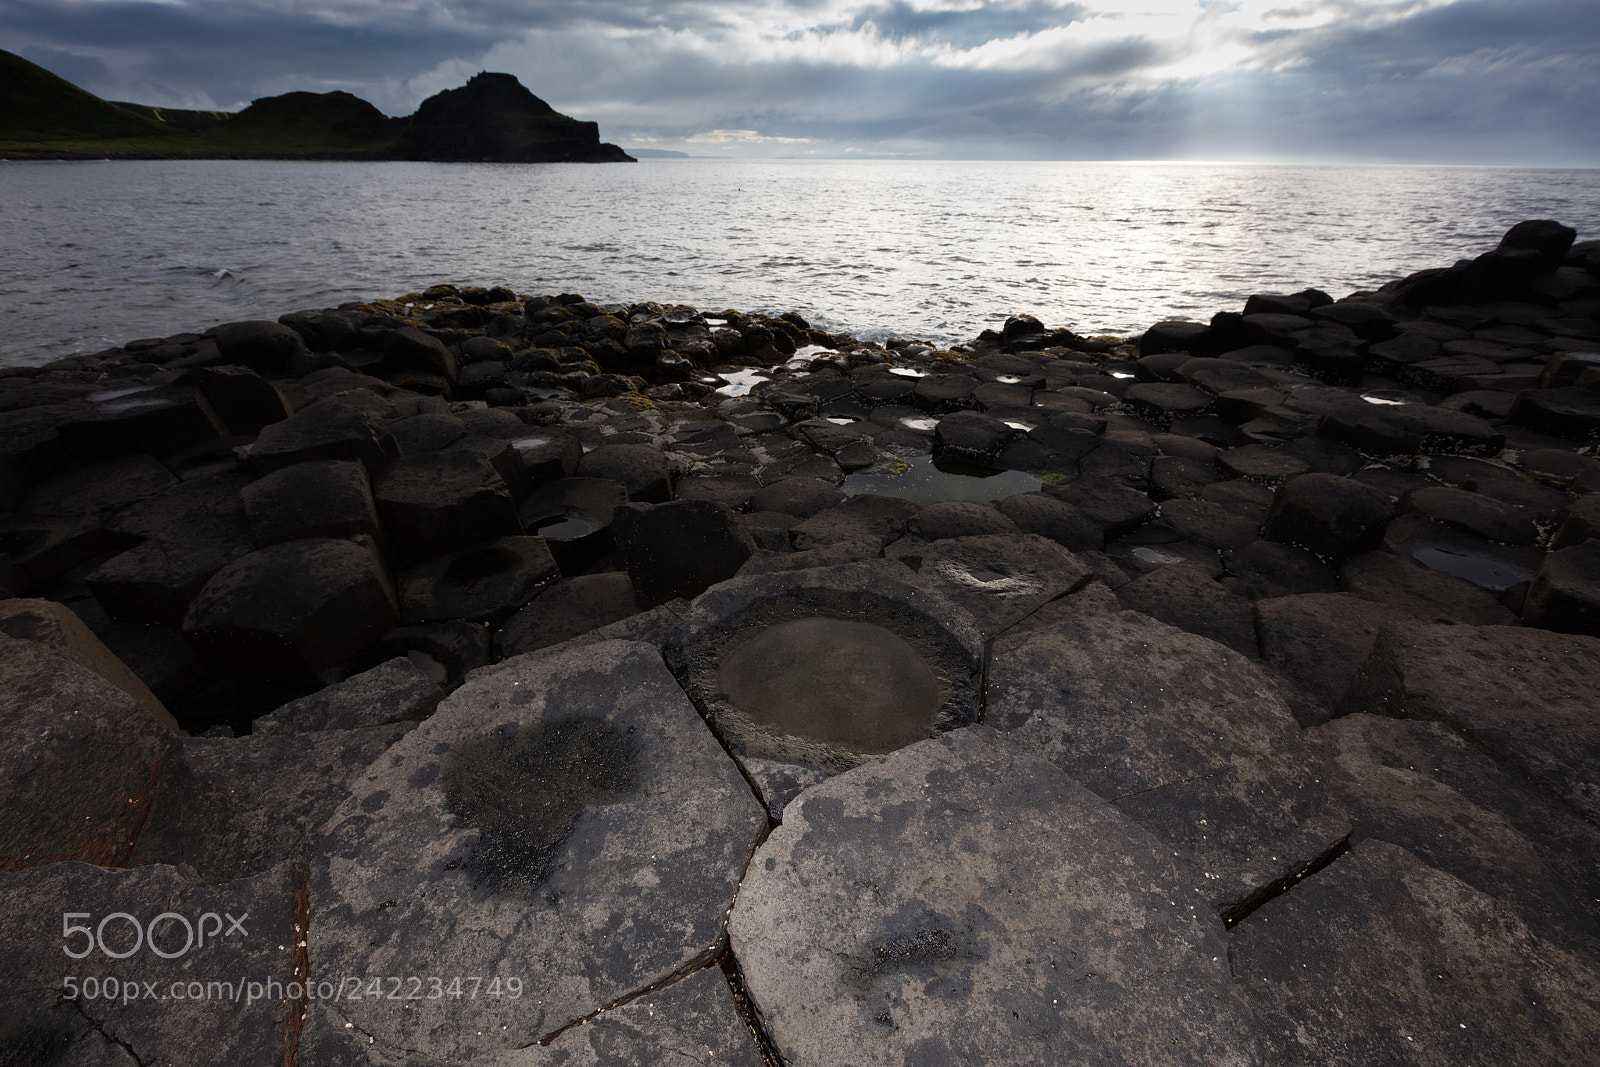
x=554 y=682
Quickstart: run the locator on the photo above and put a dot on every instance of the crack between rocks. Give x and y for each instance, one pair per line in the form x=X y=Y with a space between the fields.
x=988 y=646
x=1231 y=917
x=747 y=1011
x=700 y=962
x=1160 y=785
x=299 y=965
x=99 y=1029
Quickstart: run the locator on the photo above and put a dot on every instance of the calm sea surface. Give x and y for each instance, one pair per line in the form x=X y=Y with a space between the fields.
x=96 y=254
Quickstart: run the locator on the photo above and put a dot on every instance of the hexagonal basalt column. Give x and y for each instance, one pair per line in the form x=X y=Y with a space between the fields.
x=804 y=674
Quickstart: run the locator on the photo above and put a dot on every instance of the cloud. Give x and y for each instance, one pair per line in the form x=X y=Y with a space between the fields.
x=1376 y=79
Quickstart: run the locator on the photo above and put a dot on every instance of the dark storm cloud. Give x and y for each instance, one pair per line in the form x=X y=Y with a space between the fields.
x=1425 y=79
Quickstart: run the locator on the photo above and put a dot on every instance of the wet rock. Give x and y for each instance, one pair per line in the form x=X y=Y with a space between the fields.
x=1527 y=695
x=81 y=759
x=484 y=583
x=441 y=502
x=1182 y=735
x=292 y=610
x=1045 y=515
x=882 y=923
x=396 y=690
x=54 y=627
x=323 y=431
x=1334 y=517
x=566 y=609
x=1409 y=429
x=1421 y=593
x=641 y=469
x=242 y=399
x=680 y=548
x=570 y=810
x=573 y=515
x=159 y=1010
x=1565 y=594
x=321 y=498
x=1366 y=963
x=1500 y=569
x=999 y=578
x=773 y=659
x=1182 y=596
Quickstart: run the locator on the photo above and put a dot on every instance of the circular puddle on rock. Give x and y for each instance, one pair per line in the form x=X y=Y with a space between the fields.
x=847 y=684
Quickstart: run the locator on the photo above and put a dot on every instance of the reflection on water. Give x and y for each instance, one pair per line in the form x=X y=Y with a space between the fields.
x=922 y=481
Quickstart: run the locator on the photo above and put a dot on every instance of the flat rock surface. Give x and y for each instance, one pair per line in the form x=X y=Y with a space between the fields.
x=1000 y=578
x=962 y=901
x=566 y=820
x=1527 y=695
x=1381 y=959
x=1184 y=736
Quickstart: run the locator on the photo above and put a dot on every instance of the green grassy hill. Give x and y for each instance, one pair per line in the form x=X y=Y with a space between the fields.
x=493 y=117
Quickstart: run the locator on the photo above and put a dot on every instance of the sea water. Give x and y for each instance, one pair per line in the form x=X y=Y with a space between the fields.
x=100 y=253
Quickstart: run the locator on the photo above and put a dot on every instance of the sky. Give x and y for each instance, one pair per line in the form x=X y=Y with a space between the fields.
x=1446 y=81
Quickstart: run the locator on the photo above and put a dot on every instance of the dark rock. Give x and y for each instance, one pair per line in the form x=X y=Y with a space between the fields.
x=555 y=800
x=678 y=549
x=1578 y=523
x=1423 y=594
x=1474 y=513
x=323 y=431
x=444 y=501
x=100 y=487
x=1181 y=596
x=448 y=651
x=1409 y=429
x=1571 y=413
x=970 y=437
x=291 y=610
x=958 y=518
x=1525 y=695
x=641 y=469
x=81 y=757
x=157 y=580
x=1565 y=594
x=1262 y=463
x=484 y=583
x=1319 y=641
x=1549 y=238
x=865 y=517
x=396 y=690
x=1162 y=402
x=566 y=609
x=573 y=515
x=1334 y=517
x=1209 y=524
x=1116 y=508
x=265 y=347
x=320 y=498
x=409 y=349
x=1176 y=336
x=999 y=578
x=1187 y=738
x=242 y=399
x=1045 y=515
x=1500 y=569
x=158 y=656
x=157 y=419
x=942 y=960
x=433 y=432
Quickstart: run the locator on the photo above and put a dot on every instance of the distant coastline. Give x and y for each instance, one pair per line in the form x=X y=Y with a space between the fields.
x=491 y=119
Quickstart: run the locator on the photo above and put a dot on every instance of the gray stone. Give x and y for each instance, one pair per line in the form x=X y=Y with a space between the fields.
x=1043 y=514
x=79 y=758
x=999 y=578
x=1380 y=959
x=828 y=667
x=231 y=807
x=269 y=347
x=1118 y=509
x=1319 y=641
x=396 y=690
x=485 y=583
x=161 y=1010
x=566 y=609
x=1186 y=737
x=1423 y=594
x=103 y=486
x=1409 y=430
x=291 y=610
x=243 y=400
x=1182 y=596
x=796 y=495
x=958 y=518
x=860 y=517
x=565 y=820
x=54 y=626
x=1526 y=695
x=962 y=901
x=1332 y=516
x=641 y=469
x=321 y=498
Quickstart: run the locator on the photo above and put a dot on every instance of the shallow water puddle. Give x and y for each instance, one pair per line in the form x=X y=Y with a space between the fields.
x=923 y=481
x=740 y=382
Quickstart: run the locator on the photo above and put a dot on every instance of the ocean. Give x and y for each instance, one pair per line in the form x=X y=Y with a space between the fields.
x=97 y=254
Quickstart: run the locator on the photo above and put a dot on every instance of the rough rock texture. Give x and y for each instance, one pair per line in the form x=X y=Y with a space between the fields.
x=567 y=820
x=1381 y=959
x=1184 y=736
x=55 y=627
x=961 y=901
x=999 y=578
x=396 y=690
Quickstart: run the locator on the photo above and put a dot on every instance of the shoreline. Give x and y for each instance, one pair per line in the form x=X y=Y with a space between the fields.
x=679 y=649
